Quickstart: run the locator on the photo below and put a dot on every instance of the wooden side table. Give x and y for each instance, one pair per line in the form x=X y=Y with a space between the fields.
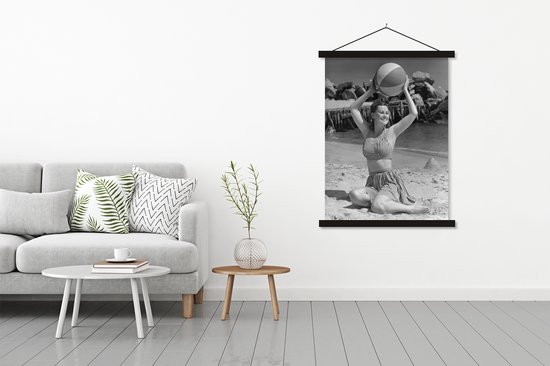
x=231 y=271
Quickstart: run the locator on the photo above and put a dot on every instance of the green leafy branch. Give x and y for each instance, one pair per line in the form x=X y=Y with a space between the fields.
x=243 y=195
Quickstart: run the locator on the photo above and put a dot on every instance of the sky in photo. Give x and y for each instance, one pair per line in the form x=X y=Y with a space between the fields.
x=361 y=70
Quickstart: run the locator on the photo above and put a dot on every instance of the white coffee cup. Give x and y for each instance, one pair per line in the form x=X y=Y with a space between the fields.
x=121 y=254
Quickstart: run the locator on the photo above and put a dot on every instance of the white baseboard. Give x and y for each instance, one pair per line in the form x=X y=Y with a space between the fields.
x=384 y=294
x=333 y=294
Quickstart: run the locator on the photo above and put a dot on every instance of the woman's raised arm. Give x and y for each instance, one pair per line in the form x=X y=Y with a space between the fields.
x=355 y=110
x=406 y=121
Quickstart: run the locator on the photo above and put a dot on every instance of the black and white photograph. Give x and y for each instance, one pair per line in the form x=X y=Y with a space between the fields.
x=386 y=139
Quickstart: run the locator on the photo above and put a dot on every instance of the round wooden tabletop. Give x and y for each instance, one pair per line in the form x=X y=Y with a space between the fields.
x=265 y=270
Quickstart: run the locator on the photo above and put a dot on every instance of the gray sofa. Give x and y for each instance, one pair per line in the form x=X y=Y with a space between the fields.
x=22 y=259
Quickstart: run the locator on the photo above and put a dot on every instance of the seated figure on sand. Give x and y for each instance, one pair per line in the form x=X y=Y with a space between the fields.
x=385 y=191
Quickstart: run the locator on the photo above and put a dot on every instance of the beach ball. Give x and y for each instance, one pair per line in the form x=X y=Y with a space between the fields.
x=390 y=79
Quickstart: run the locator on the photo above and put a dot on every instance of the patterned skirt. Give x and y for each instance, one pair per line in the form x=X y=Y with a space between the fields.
x=391 y=184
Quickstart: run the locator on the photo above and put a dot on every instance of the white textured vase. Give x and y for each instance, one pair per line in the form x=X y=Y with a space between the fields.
x=250 y=253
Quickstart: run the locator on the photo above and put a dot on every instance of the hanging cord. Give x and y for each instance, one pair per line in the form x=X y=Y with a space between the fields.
x=381 y=29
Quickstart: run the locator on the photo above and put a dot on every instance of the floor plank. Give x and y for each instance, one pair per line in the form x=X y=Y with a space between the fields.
x=529 y=341
x=240 y=347
x=270 y=346
x=8 y=309
x=501 y=342
x=98 y=341
x=210 y=347
x=180 y=347
x=447 y=346
x=329 y=346
x=539 y=309
x=126 y=341
x=299 y=345
x=357 y=341
x=28 y=330
x=527 y=319
x=482 y=352
x=71 y=339
x=27 y=312
x=415 y=342
x=35 y=344
x=388 y=346
x=150 y=348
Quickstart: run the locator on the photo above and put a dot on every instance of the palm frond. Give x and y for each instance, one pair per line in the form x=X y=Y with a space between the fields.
x=112 y=204
x=127 y=182
x=93 y=225
x=83 y=177
x=78 y=212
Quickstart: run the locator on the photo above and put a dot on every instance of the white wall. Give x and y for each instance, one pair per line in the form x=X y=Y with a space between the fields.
x=206 y=82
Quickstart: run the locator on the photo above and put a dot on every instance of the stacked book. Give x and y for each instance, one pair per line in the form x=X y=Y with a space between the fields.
x=135 y=266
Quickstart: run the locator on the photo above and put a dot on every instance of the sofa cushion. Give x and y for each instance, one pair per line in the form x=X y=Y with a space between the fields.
x=69 y=249
x=8 y=247
x=157 y=201
x=101 y=203
x=21 y=177
x=25 y=213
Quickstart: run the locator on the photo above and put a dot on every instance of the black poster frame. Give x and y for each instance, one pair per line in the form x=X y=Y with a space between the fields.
x=387 y=223
x=366 y=54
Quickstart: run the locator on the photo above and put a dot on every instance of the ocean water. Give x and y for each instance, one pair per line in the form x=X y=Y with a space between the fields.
x=420 y=136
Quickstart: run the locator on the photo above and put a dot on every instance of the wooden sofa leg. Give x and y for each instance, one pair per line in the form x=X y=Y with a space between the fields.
x=187 y=303
x=199 y=296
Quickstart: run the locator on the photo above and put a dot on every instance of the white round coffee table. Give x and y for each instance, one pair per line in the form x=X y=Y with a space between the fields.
x=80 y=273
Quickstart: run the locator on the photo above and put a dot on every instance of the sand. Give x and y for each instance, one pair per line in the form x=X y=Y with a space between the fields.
x=346 y=169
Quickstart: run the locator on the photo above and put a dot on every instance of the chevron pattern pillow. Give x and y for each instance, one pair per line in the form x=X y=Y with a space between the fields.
x=156 y=203
x=101 y=203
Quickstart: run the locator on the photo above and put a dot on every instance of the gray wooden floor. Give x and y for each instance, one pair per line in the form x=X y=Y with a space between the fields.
x=308 y=333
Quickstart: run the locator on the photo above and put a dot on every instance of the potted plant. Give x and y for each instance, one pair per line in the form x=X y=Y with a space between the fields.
x=243 y=194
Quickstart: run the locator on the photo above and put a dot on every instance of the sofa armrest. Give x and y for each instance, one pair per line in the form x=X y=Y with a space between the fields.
x=193 y=228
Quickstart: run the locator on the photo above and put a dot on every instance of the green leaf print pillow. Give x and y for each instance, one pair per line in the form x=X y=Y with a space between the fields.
x=101 y=203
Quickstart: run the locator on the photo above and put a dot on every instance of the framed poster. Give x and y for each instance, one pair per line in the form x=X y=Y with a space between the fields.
x=387 y=138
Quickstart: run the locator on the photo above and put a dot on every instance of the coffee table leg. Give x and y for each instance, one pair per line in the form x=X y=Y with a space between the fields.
x=274 y=301
x=228 y=293
x=63 y=311
x=137 y=309
x=76 y=306
x=147 y=303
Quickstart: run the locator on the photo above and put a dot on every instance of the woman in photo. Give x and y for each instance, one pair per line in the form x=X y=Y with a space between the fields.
x=385 y=191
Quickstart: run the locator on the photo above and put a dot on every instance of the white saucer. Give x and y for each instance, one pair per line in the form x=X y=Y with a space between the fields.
x=127 y=260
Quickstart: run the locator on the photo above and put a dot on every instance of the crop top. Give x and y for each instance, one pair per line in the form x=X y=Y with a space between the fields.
x=381 y=147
